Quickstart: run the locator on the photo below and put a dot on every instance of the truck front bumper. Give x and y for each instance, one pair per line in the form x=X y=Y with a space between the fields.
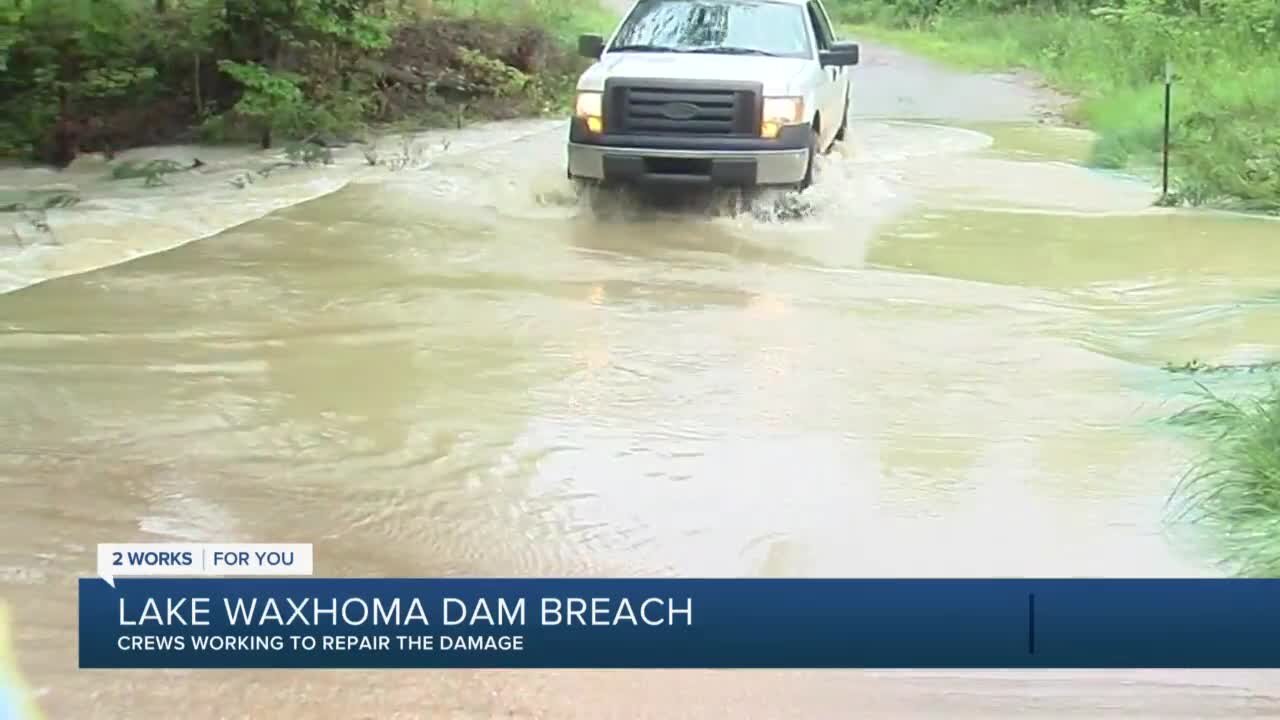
x=734 y=162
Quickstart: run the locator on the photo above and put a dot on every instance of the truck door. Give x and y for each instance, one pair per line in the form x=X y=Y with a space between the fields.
x=831 y=93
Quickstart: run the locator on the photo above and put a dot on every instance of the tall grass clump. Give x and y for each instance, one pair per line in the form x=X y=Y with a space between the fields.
x=1112 y=54
x=1234 y=491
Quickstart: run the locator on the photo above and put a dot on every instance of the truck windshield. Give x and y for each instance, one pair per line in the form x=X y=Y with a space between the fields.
x=744 y=27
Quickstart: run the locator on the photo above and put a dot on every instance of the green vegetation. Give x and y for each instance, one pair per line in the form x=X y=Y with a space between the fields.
x=1112 y=54
x=1235 y=490
x=567 y=19
x=105 y=75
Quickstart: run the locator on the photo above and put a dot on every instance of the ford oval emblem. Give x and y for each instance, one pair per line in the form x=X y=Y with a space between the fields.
x=679 y=111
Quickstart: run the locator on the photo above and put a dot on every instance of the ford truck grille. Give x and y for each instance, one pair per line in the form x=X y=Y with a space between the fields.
x=670 y=107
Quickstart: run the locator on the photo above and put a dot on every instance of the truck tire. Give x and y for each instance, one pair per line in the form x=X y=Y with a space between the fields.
x=814 y=141
x=598 y=199
x=844 y=120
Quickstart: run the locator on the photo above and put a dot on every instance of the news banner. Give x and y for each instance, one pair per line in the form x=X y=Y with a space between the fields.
x=258 y=606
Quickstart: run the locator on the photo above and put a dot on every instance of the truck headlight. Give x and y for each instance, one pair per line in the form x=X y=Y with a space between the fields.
x=780 y=112
x=590 y=107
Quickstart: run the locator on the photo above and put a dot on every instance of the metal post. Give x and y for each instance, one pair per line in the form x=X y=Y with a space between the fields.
x=1168 y=97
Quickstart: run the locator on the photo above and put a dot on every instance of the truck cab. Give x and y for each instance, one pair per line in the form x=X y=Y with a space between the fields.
x=740 y=93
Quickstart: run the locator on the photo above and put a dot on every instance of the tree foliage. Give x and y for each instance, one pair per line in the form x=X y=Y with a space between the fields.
x=81 y=75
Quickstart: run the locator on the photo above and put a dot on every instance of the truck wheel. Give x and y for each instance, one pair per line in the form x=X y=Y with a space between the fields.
x=844 y=121
x=814 y=141
x=594 y=196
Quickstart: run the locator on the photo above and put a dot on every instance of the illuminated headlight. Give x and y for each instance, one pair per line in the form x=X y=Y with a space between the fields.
x=780 y=112
x=590 y=107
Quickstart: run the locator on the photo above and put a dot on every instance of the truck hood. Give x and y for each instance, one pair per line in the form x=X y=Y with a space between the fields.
x=777 y=74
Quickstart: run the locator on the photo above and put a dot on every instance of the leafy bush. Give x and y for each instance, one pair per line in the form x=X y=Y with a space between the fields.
x=103 y=75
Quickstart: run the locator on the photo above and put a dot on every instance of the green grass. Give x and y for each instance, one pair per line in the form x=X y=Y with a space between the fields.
x=969 y=56
x=1226 y=96
x=1235 y=490
x=567 y=18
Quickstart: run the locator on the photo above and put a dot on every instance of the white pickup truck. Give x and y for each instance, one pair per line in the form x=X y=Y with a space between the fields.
x=741 y=93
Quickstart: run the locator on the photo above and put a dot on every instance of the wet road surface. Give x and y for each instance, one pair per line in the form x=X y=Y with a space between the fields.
x=950 y=367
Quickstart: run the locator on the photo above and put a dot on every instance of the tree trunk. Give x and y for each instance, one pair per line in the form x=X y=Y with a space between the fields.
x=196 y=87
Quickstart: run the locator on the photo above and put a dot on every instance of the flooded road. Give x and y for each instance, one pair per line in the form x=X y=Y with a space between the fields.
x=950 y=367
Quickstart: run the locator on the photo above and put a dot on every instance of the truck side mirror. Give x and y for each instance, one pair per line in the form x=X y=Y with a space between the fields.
x=841 y=54
x=590 y=46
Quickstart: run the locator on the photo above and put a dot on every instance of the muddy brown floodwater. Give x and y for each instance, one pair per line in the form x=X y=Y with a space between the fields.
x=950 y=367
